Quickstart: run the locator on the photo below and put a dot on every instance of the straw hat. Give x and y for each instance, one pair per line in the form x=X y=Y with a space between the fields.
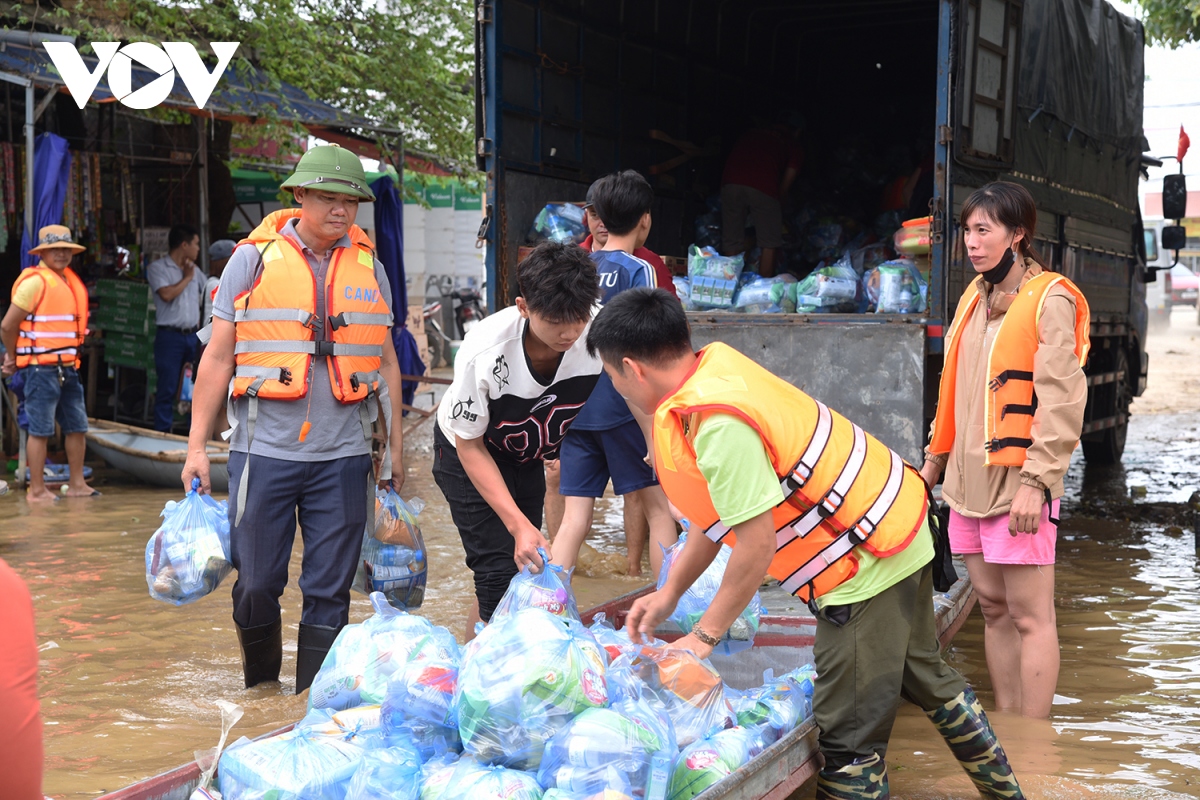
x=53 y=236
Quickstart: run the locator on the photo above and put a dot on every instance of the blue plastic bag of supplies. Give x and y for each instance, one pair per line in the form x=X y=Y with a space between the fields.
x=366 y=655
x=896 y=287
x=436 y=774
x=189 y=556
x=564 y=223
x=696 y=600
x=678 y=684
x=706 y=262
x=304 y=763
x=394 y=560
x=710 y=760
x=360 y=725
x=523 y=679
x=389 y=773
x=778 y=706
x=472 y=780
x=608 y=749
x=549 y=589
x=419 y=703
x=616 y=642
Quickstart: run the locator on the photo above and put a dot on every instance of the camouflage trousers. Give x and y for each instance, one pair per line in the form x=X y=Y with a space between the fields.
x=887 y=649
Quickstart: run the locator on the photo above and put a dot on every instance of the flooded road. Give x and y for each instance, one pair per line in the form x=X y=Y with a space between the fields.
x=127 y=683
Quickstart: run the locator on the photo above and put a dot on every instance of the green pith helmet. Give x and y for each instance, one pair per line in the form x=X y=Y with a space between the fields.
x=330 y=168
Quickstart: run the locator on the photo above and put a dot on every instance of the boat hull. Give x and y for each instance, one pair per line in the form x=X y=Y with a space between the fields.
x=153 y=457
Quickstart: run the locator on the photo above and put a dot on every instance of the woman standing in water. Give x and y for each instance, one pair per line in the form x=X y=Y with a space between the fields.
x=1010 y=410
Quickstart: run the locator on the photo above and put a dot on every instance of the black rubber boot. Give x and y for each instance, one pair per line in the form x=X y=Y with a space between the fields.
x=312 y=645
x=861 y=779
x=262 y=652
x=966 y=729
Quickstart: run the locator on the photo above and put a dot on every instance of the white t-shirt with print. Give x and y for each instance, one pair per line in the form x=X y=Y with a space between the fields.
x=496 y=393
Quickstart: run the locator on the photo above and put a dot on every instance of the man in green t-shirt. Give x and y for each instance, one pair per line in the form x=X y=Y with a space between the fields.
x=876 y=629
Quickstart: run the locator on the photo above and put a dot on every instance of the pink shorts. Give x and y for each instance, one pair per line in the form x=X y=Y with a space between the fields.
x=990 y=536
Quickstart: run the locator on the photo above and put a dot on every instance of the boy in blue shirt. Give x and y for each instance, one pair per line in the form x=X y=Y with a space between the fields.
x=606 y=441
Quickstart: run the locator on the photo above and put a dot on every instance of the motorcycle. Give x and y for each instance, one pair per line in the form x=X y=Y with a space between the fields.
x=439 y=343
x=468 y=309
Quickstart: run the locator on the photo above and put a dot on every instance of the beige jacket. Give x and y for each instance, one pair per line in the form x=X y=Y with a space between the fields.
x=974 y=489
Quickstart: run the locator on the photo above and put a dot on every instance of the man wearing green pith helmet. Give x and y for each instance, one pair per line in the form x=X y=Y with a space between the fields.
x=300 y=353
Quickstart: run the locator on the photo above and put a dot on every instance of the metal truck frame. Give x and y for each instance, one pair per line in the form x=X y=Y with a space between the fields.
x=555 y=109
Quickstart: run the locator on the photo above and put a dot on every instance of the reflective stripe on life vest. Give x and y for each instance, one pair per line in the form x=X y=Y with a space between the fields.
x=843 y=488
x=859 y=534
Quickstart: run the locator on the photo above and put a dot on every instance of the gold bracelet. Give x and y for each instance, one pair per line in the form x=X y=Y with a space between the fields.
x=707 y=638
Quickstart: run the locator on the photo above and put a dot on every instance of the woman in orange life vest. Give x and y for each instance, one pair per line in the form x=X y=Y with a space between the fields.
x=1009 y=414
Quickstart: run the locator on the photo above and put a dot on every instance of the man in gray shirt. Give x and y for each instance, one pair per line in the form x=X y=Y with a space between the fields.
x=178 y=291
x=280 y=347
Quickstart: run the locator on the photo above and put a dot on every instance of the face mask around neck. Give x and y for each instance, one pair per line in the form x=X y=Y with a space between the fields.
x=999 y=272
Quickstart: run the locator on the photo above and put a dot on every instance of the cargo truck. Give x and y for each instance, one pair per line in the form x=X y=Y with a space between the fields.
x=1047 y=93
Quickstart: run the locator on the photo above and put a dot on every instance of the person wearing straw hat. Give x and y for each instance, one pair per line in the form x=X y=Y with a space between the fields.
x=300 y=352
x=42 y=333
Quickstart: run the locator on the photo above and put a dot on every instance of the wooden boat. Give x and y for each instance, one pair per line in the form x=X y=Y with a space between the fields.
x=154 y=457
x=784 y=641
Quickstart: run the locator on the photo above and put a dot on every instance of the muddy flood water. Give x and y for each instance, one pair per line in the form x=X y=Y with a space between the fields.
x=128 y=683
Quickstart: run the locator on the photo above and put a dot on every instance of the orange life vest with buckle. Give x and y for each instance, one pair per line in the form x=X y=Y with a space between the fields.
x=53 y=332
x=276 y=319
x=1010 y=402
x=843 y=488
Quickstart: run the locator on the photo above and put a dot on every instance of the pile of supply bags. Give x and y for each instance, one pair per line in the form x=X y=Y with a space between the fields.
x=858 y=270
x=189 y=555
x=537 y=707
x=393 y=559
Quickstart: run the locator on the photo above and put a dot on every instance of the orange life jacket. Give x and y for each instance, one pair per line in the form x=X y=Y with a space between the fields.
x=54 y=330
x=276 y=319
x=843 y=488
x=1009 y=399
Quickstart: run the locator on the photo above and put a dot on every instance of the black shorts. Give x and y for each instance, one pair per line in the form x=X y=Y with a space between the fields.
x=488 y=544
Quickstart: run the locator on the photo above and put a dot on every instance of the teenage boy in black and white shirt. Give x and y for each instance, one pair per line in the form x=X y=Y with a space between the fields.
x=520 y=378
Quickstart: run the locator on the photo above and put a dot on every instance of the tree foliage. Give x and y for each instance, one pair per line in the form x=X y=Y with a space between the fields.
x=1171 y=22
x=405 y=64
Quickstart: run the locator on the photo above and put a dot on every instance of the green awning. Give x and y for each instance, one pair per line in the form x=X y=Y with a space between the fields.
x=256 y=186
x=261 y=186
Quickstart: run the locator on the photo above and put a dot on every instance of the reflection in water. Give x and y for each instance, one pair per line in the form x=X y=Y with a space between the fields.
x=1124 y=724
x=128 y=683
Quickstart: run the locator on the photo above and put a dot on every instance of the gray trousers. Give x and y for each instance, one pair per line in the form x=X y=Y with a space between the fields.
x=888 y=649
x=330 y=500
